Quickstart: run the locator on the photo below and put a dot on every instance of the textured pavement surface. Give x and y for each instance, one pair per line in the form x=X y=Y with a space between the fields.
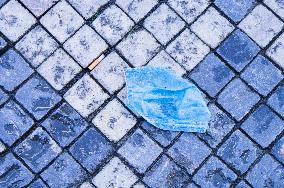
x=62 y=125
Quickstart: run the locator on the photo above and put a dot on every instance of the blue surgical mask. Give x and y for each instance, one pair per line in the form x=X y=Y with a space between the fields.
x=165 y=100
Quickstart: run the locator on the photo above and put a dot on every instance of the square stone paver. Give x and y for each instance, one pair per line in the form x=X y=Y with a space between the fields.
x=168 y=62
x=111 y=67
x=85 y=96
x=139 y=185
x=189 y=9
x=114 y=120
x=187 y=49
x=219 y=126
x=266 y=173
x=164 y=23
x=91 y=149
x=239 y=151
x=112 y=24
x=165 y=173
x=3 y=43
x=3 y=97
x=261 y=25
x=62 y=21
x=164 y=137
x=237 y=98
x=263 y=126
x=38 y=184
x=278 y=150
x=65 y=124
x=115 y=174
x=15 y=20
x=189 y=152
x=242 y=184
x=87 y=184
x=238 y=50
x=276 y=101
x=191 y=185
x=88 y=8
x=140 y=151
x=122 y=95
x=13 y=70
x=36 y=46
x=38 y=149
x=136 y=9
x=212 y=74
x=38 y=7
x=212 y=28
x=59 y=69
x=14 y=122
x=37 y=97
x=214 y=173
x=277 y=6
x=85 y=45
x=2 y=2
x=138 y=47
x=262 y=75
x=13 y=172
x=235 y=9
x=65 y=167
x=276 y=51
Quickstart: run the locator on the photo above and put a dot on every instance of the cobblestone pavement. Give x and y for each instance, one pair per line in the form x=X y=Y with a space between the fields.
x=62 y=125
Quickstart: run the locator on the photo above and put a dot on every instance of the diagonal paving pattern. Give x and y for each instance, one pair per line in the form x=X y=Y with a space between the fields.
x=58 y=119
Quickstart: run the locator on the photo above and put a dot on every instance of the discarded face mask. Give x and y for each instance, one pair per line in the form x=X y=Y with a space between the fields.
x=165 y=100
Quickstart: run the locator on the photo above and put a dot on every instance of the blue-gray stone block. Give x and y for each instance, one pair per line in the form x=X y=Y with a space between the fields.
x=13 y=70
x=238 y=50
x=64 y=172
x=91 y=149
x=13 y=172
x=37 y=96
x=212 y=74
x=65 y=124
x=37 y=150
x=263 y=125
x=14 y=122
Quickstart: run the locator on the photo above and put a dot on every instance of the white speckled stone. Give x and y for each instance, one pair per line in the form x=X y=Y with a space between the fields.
x=189 y=9
x=112 y=24
x=136 y=9
x=88 y=8
x=62 y=21
x=87 y=185
x=122 y=95
x=139 y=47
x=276 y=51
x=139 y=185
x=188 y=49
x=110 y=72
x=261 y=25
x=212 y=28
x=85 y=96
x=162 y=59
x=38 y=7
x=114 y=120
x=59 y=69
x=85 y=45
x=37 y=45
x=15 y=20
x=2 y=147
x=164 y=23
x=115 y=174
x=277 y=6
